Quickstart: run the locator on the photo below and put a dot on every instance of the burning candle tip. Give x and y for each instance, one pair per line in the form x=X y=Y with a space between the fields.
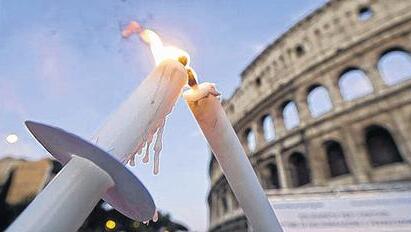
x=192 y=79
x=183 y=60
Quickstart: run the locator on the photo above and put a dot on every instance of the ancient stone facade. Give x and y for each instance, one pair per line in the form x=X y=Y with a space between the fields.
x=28 y=177
x=326 y=105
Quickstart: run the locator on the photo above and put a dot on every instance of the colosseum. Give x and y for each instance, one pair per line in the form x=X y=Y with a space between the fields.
x=325 y=110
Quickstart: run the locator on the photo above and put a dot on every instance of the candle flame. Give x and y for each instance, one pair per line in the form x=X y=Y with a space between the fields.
x=159 y=51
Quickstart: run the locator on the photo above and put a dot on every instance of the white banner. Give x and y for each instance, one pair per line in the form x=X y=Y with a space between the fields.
x=359 y=212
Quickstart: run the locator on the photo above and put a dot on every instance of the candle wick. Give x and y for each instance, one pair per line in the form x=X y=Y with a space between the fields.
x=192 y=80
x=183 y=60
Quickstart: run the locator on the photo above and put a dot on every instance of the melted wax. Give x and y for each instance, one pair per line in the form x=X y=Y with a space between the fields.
x=201 y=91
x=156 y=128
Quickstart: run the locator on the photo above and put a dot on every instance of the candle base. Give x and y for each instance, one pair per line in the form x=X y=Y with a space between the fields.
x=128 y=195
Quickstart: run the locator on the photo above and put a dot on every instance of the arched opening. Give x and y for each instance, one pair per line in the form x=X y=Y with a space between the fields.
x=250 y=136
x=224 y=203
x=395 y=66
x=224 y=197
x=290 y=115
x=299 y=50
x=299 y=170
x=354 y=84
x=272 y=181
x=336 y=159
x=381 y=147
x=258 y=82
x=319 y=101
x=364 y=13
x=268 y=128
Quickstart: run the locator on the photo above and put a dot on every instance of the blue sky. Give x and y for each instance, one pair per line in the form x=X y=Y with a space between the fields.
x=64 y=63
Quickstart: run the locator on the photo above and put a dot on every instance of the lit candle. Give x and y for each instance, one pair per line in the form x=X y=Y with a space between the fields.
x=228 y=151
x=95 y=173
x=131 y=129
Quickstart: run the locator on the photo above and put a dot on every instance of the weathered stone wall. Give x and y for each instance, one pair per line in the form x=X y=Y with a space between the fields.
x=317 y=51
x=29 y=178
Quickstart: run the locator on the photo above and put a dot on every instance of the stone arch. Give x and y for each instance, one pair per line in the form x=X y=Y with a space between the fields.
x=223 y=197
x=250 y=139
x=336 y=158
x=267 y=124
x=271 y=180
x=318 y=100
x=394 y=66
x=290 y=114
x=298 y=169
x=299 y=50
x=224 y=203
x=365 y=13
x=354 y=83
x=381 y=146
x=258 y=81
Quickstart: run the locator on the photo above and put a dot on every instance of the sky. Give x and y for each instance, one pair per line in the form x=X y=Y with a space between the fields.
x=64 y=63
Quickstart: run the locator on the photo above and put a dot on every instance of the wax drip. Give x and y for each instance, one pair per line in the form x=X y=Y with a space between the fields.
x=132 y=161
x=150 y=135
x=155 y=217
x=156 y=127
x=156 y=130
x=132 y=155
x=147 y=154
x=129 y=159
x=157 y=148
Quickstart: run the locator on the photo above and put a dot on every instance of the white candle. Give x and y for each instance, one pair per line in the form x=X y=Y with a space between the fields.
x=126 y=133
x=132 y=127
x=228 y=151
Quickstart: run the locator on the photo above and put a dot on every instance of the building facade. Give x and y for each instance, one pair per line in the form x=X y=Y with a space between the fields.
x=326 y=106
x=21 y=181
x=28 y=177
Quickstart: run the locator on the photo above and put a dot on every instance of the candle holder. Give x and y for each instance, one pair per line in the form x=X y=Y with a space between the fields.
x=89 y=174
